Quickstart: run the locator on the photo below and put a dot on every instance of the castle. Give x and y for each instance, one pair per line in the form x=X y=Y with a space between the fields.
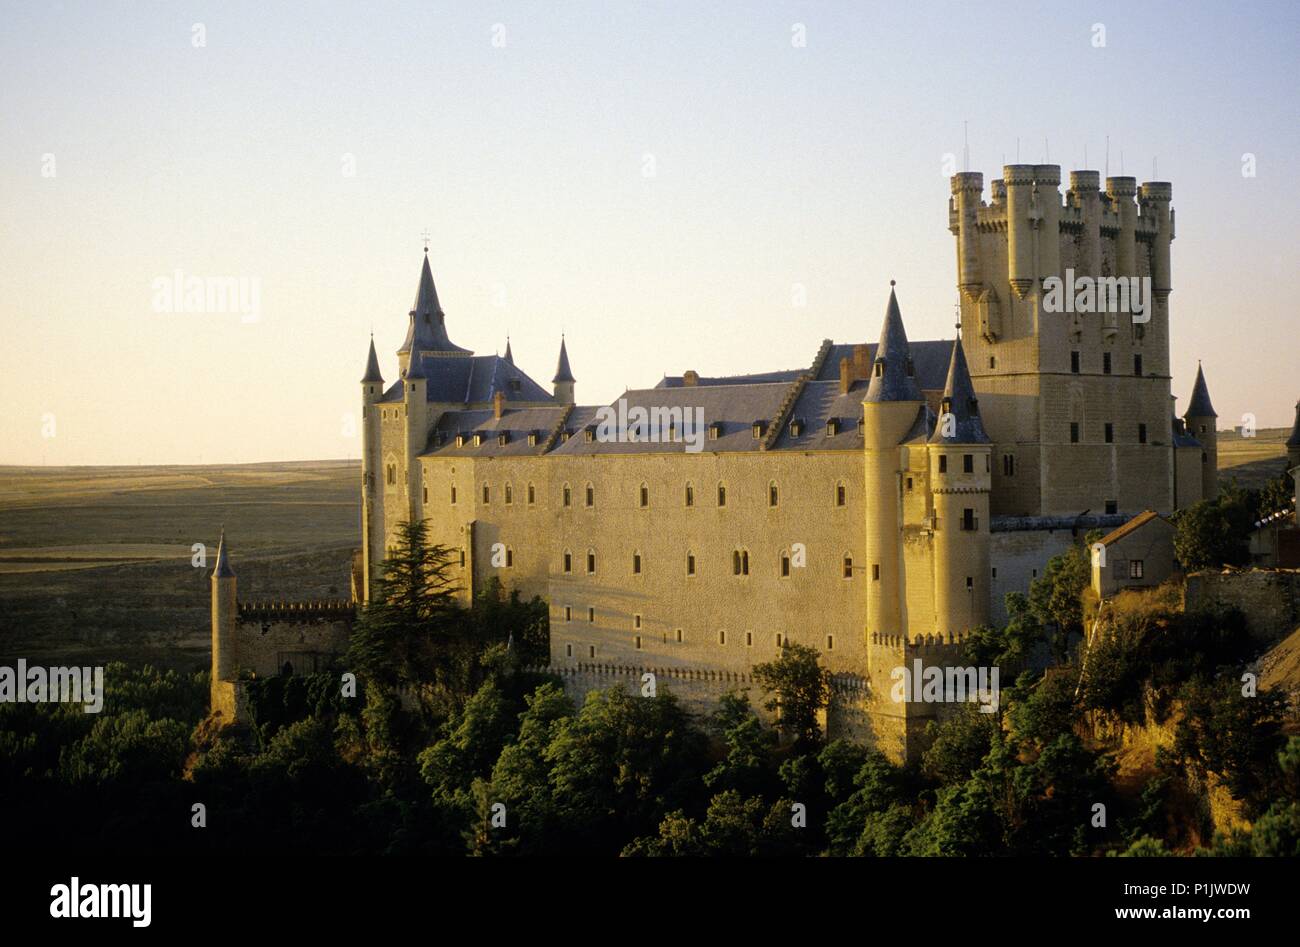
x=875 y=504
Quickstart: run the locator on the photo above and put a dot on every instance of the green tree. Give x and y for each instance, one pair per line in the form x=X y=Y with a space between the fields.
x=800 y=689
x=1055 y=596
x=405 y=636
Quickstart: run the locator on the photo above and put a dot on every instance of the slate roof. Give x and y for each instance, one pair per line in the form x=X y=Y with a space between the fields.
x=472 y=380
x=735 y=407
x=516 y=423
x=897 y=381
x=562 y=371
x=929 y=362
x=372 y=365
x=758 y=378
x=959 y=400
x=1199 y=406
x=817 y=404
x=427 y=330
x=1183 y=438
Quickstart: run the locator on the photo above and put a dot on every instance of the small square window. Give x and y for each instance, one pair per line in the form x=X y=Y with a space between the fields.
x=839 y=494
x=1135 y=568
x=943 y=463
x=1112 y=506
x=967 y=463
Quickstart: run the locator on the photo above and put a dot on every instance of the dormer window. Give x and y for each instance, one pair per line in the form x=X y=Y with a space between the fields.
x=589 y=434
x=760 y=428
x=532 y=438
x=715 y=430
x=878 y=369
x=503 y=438
x=832 y=426
x=796 y=427
x=461 y=438
x=910 y=371
x=514 y=385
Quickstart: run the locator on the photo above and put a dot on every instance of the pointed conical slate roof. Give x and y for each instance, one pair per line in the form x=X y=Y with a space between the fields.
x=562 y=371
x=895 y=381
x=415 y=367
x=509 y=356
x=1199 y=406
x=223 y=570
x=1294 y=439
x=372 y=365
x=965 y=426
x=427 y=330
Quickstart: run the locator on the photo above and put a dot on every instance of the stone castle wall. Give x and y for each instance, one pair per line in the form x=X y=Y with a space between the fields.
x=1270 y=598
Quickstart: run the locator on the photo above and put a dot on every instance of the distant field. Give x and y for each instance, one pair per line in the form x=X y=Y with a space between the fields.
x=95 y=562
x=1253 y=460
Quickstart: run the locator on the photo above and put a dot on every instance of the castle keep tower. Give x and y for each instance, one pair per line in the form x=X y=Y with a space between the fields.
x=1076 y=390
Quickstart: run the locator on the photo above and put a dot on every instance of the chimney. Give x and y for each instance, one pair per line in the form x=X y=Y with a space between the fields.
x=691 y=378
x=861 y=361
x=498 y=404
x=846 y=375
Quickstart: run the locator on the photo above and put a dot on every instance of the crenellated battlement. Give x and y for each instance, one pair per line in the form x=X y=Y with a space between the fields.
x=321 y=610
x=928 y=645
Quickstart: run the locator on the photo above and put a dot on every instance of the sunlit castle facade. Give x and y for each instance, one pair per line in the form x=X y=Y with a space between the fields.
x=876 y=503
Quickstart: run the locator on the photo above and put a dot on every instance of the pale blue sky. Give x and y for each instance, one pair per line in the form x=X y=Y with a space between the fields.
x=775 y=165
